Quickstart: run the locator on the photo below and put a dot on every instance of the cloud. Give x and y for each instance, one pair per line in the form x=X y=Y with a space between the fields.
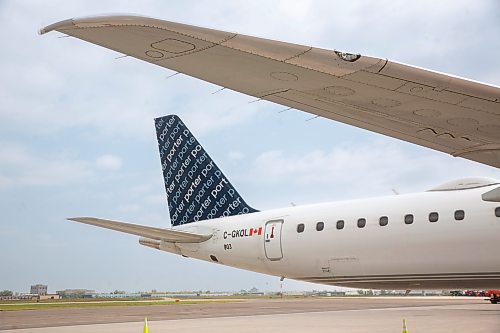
x=360 y=170
x=130 y=208
x=236 y=155
x=109 y=162
x=23 y=167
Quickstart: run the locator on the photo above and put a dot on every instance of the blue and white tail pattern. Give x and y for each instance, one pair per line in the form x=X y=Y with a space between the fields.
x=196 y=188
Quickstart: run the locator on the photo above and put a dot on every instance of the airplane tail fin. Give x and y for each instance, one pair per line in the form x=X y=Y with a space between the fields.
x=196 y=188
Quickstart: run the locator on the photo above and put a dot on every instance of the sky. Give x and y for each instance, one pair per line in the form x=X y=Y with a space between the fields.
x=77 y=134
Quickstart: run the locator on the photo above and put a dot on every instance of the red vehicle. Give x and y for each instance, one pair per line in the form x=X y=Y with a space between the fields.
x=494 y=296
x=475 y=293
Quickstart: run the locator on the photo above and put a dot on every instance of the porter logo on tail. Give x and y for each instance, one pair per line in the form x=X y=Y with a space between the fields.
x=196 y=188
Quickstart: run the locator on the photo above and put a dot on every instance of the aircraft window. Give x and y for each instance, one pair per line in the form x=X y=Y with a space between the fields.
x=408 y=219
x=383 y=221
x=497 y=212
x=361 y=223
x=340 y=224
x=320 y=226
x=459 y=215
x=433 y=217
x=300 y=227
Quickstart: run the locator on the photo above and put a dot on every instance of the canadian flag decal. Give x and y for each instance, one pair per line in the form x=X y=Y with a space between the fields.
x=255 y=231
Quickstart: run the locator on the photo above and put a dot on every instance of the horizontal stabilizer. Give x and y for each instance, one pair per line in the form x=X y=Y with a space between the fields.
x=169 y=235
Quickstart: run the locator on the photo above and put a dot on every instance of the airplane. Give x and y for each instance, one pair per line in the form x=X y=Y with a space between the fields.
x=444 y=238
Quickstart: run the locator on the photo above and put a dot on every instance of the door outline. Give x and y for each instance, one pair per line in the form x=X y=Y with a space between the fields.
x=272 y=244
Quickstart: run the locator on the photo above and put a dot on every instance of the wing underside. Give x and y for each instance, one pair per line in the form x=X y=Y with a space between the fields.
x=434 y=110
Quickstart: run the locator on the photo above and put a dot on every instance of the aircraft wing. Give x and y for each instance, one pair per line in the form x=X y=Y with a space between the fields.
x=169 y=235
x=434 y=110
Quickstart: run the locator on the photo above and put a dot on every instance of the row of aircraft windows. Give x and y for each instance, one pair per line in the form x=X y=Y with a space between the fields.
x=384 y=220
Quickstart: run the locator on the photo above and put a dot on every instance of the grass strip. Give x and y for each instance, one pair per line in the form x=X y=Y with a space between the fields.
x=90 y=304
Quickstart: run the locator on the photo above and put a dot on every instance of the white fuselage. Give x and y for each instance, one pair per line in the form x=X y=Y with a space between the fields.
x=448 y=253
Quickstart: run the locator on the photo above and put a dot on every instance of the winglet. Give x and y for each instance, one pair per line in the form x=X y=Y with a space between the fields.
x=94 y=21
x=56 y=26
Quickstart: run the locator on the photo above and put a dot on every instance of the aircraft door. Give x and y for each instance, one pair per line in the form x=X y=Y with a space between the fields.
x=272 y=240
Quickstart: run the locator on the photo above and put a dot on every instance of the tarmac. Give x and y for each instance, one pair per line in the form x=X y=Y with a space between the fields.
x=331 y=315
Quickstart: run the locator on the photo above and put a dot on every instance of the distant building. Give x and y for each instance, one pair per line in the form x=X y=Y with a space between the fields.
x=254 y=292
x=39 y=289
x=49 y=296
x=118 y=295
x=76 y=293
